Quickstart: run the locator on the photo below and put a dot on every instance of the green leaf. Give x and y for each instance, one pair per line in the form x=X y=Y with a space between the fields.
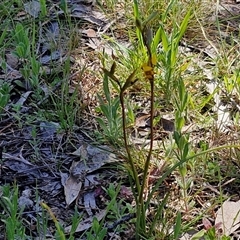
x=106 y=112
x=150 y=18
x=101 y=123
x=165 y=41
x=156 y=39
x=43 y=7
x=198 y=235
x=3 y=35
x=135 y=9
x=106 y=89
x=177 y=227
x=185 y=150
x=183 y=26
x=63 y=6
x=164 y=15
x=176 y=136
x=183 y=173
x=100 y=99
x=130 y=81
x=158 y=214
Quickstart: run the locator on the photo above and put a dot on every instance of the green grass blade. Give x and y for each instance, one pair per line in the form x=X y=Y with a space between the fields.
x=106 y=89
x=150 y=18
x=164 y=16
x=160 y=210
x=165 y=41
x=177 y=228
x=135 y=9
x=3 y=36
x=183 y=26
x=157 y=38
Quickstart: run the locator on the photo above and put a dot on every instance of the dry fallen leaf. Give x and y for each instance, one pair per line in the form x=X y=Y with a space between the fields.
x=167 y=125
x=23 y=98
x=92 y=158
x=90 y=33
x=32 y=8
x=228 y=217
x=89 y=197
x=20 y=165
x=12 y=61
x=55 y=55
x=72 y=186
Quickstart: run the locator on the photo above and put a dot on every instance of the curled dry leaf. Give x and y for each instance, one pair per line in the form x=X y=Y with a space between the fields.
x=228 y=217
x=72 y=186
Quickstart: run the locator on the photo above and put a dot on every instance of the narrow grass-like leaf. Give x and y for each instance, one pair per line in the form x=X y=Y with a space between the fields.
x=165 y=41
x=183 y=25
x=101 y=123
x=156 y=39
x=158 y=214
x=3 y=36
x=164 y=15
x=43 y=7
x=63 y=6
x=106 y=72
x=106 y=89
x=115 y=107
x=185 y=150
x=173 y=58
x=150 y=18
x=130 y=80
x=139 y=27
x=135 y=9
x=174 y=167
x=59 y=232
x=177 y=227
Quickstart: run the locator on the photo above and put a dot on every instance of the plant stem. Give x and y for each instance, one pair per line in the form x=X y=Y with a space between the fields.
x=130 y=160
x=144 y=186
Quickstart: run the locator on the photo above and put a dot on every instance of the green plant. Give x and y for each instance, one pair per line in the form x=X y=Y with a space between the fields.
x=148 y=44
x=174 y=84
x=209 y=234
x=30 y=69
x=21 y=37
x=97 y=231
x=181 y=140
x=66 y=104
x=112 y=126
x=11 y=215
x=231 y=84
x=59 y=234
x=116 y=208
x=63 y=6
x=42 y=219
x=43 y=7
x=5 y=89
x=167 y=55
x=76 y=219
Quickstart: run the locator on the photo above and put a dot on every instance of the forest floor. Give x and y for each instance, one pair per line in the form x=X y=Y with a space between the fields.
x=62 y=158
